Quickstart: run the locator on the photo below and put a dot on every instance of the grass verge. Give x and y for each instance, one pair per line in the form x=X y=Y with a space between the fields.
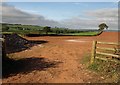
x=110 y=70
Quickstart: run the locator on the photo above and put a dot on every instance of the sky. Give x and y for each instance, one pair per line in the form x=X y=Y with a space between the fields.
x=60 y=0
x=73 y=15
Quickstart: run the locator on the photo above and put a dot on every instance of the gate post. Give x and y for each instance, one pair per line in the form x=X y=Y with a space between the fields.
x=93 y=52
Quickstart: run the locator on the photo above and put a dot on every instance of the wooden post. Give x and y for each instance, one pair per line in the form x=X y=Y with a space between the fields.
x=3 y=49
x=93 y=51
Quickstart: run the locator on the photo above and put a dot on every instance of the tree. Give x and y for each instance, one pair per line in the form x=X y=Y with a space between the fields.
x=19 y=28
x=102 y=27
x=5 y=28
x=57 y=31
x=47 y=29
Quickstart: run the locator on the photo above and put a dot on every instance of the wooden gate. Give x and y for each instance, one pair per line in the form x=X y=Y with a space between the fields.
x=107 y=56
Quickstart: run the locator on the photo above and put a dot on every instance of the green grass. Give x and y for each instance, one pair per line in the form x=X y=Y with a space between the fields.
x=109 y=69
x=37 y=32
x=83 y=33
x=22 y=32
x=7 y=32
x=32 y=29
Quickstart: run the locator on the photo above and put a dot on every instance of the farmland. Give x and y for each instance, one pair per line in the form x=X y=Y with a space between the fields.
x=59 y=42
x=34 y=29
x=58 y=60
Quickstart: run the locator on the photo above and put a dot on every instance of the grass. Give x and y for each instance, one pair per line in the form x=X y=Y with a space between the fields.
x=111 y=70
x=7 y=32
x=23 y=32
x=33 y=29
x=84 y=33
x=86 y=59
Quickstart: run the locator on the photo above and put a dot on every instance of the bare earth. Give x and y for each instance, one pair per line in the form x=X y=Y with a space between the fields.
x=60 y=58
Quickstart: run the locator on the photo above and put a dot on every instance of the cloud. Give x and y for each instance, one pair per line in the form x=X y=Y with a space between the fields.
x=10 y=14
x=104 y=13
x=108 y=15
x=3 y=0
x=80 y=23
x=94 y=18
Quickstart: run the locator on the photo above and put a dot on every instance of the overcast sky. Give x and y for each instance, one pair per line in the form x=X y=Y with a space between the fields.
x=74 y=15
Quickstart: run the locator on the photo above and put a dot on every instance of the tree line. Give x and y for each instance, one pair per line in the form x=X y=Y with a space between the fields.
x=48 y=29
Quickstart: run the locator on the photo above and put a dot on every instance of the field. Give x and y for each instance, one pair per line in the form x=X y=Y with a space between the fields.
x=84 y=34
x=57 y=60
x=39 y=30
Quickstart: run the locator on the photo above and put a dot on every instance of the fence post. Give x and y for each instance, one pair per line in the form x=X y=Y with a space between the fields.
x=93 y=52
x=3 y=48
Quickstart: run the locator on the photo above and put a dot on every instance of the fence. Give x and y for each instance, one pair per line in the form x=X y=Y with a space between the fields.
x=110 y=56
x=2 y=47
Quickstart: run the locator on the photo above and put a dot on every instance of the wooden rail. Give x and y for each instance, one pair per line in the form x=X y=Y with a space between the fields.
x=112 y=49
x=108 y=54
x=109 y=43
x=111 y=56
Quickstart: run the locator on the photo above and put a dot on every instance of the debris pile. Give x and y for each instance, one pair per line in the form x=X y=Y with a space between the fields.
x=15 y=43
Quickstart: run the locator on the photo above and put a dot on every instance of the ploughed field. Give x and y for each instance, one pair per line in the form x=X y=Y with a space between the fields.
x=57 y=59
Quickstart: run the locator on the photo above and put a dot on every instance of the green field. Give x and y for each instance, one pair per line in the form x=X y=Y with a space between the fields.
x=33 y=29
x=84 y=33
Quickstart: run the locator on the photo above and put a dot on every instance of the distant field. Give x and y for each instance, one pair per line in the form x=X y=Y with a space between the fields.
x=75 y=34
x=39 y=30
x=84 y=33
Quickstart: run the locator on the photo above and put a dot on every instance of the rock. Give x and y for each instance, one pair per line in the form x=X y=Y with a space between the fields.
x=102 y=78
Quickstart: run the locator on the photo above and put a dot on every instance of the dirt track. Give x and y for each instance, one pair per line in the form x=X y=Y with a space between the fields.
x=60 y=58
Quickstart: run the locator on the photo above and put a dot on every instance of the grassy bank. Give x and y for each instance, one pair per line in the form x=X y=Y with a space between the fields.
x=110 y=70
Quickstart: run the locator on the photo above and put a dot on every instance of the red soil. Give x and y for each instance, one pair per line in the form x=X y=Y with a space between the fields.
x=68 y=53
